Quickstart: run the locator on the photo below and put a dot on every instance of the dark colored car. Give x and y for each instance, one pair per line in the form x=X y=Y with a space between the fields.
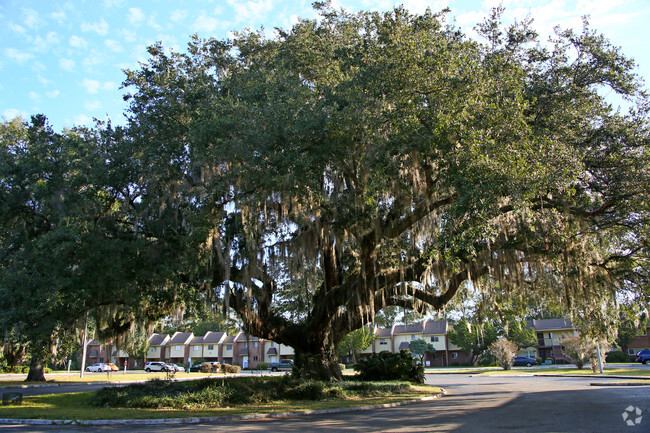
x=643 y=356
x=524 y=361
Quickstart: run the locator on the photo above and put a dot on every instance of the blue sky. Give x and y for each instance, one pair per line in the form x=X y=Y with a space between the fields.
x=65 y=58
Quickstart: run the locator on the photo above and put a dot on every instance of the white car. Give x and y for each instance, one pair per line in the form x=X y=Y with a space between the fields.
x=176 y=367
x=157 y=366
x=97 y=368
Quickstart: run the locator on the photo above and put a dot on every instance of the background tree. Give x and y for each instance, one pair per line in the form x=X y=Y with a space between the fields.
x=504 y=351
x=420 y=347
x=473 y=339
x=355 y=342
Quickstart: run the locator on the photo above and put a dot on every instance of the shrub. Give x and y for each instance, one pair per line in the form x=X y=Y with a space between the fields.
x=504 y=351
x=617 y=356
x=47 y=370
x=206 y=367
x=262 y=366
x=227 y=368
x=390 y=366
x=342 y=367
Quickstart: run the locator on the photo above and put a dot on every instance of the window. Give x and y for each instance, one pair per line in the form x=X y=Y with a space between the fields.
x=101 y=359
x=272 y=343
x=177 y=348
x=254 y=358
x=196 y=348
x=414 y=337
x=383 y=341
x=630 y=351
x=255 y=344
x=154 y=349
x=434 y=338
x=272 y=359
x=210 y=346
x=228 y=346
x=454 y=355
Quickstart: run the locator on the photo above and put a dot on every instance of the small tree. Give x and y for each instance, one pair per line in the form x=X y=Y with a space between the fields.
x=503 y=350
x=420 y=347
x=577 y=349
x=354 y=342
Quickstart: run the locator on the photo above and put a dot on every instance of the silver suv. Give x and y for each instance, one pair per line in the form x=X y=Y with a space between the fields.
x=156 y=366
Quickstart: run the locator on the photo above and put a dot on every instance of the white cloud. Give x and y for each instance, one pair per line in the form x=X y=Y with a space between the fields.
x=92 y=86
x=11 y=113
x=109 y=86
x=93 y=105
x=179 y=15
x=32 y=19
x=205 y=23
x=129 y=35
x=78 y=42
x=59 y=17
x=153 y=23
x=53 y=94
x=52 y=38
x=113 y=45
x=251 y=10
x=17 y=28
x=112 y=3
x=43 y=80
x=100 y=27
x=135 y=16
x=92 y=59
x=81 y=119
x=18 y=56
x=34 y=96
x=67 y=64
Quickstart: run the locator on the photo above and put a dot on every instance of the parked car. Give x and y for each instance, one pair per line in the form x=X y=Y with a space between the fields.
x=284 y=364
x=99 y=367
x=196 y=368
x=112 y=366
x=643 y=356
x=156 y=366
x=176 y=367
x=524 y=361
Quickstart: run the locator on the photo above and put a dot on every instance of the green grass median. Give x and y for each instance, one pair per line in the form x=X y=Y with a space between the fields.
x=164 y=399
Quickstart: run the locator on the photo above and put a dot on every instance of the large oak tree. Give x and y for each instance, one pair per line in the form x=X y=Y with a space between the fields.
x=368 y=160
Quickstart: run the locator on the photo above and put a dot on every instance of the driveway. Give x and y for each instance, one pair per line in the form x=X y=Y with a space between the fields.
x=473 y=404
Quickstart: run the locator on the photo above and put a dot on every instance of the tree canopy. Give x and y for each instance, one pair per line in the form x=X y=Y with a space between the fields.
x=364 y=161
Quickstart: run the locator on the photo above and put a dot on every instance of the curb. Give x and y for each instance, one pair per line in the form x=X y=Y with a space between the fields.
x=597 y=376
x=619 y=384
x=213 y=419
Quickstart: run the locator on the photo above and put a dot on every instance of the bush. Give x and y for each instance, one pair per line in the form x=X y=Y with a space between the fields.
x=227 y=368
x=390 y=366
x=47 y=370
x=206 y=367
x=617 y=356
x=504 y=351
x=342 y=367
x=262 y=366
x=212 y=392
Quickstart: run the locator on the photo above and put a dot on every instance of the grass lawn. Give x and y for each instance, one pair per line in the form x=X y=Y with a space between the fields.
x=75 y=406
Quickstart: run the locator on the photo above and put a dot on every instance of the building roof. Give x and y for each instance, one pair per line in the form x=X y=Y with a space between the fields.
x=404 y=345
x=408 y=329
x=433 y=327
x=158 y=339
x=382 y=332
x=549 y=324
x=213 y=337
x=229 y=339
x=181 y=337
x=242 y=337
x=197 y=340
x=272 y=351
